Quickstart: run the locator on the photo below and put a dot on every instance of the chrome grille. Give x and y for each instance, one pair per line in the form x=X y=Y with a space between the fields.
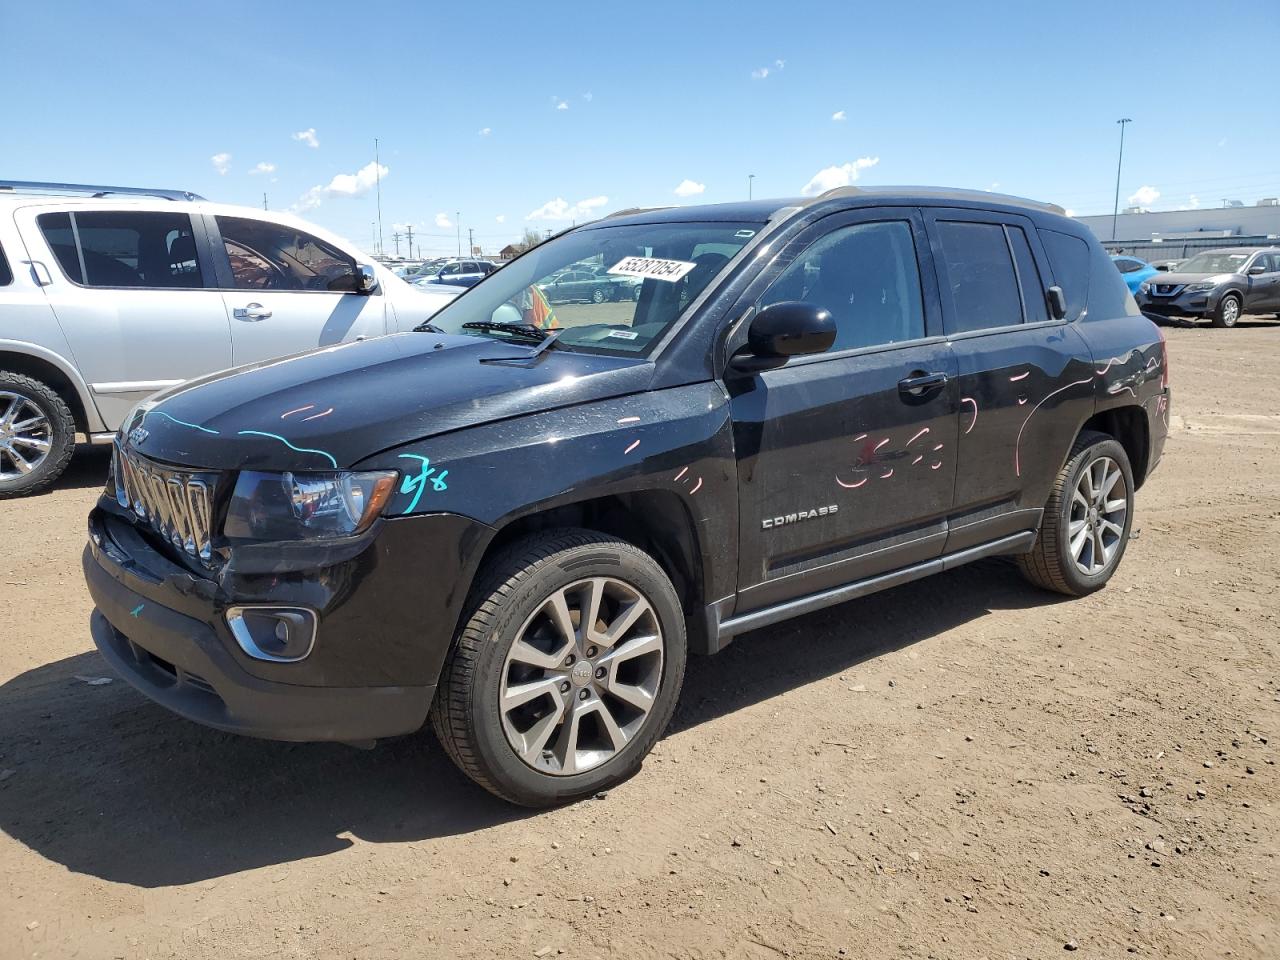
x=177 y=504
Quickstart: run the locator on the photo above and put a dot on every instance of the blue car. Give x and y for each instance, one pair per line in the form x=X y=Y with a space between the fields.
x=1134 y=271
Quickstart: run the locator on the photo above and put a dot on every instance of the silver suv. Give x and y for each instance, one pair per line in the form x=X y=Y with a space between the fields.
x=109 y=294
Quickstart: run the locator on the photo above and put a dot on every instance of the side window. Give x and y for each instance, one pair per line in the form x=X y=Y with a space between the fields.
x=1069 y=257
x=1033 y=299
x=984 y=288
x=867 y=277
x=1109 y=297
x=272 y=256
x=109 y=248
x=6 y=275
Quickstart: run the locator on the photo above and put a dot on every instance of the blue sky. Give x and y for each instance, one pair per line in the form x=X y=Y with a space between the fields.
x=531 y=114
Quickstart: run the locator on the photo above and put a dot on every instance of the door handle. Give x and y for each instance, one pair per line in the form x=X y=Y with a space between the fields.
x=251 y=313
x=920 y=383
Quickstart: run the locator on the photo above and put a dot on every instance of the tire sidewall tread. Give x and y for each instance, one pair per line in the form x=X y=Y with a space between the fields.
x=63 y=442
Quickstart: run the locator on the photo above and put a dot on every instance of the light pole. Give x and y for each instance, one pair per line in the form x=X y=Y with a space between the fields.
x=1115 y=210
x=377 y=179
x=457 y=222
x=750 y=178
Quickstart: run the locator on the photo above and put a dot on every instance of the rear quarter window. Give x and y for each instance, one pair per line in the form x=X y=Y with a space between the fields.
x=6 y=274
x=1109 y=295
x=1069 y=257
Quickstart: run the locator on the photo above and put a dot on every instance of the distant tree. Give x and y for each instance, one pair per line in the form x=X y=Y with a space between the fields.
x=530 y=240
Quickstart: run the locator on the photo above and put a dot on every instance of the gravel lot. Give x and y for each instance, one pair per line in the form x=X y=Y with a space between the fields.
x=963 y=767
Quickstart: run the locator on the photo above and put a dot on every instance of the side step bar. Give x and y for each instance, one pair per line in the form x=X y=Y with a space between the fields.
x=730 y=628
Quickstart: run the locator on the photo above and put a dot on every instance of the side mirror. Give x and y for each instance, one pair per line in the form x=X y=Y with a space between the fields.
x=366 y=280
x=1257 y=269
x=1162 y=268
x=789 y=329
x=1057 y=302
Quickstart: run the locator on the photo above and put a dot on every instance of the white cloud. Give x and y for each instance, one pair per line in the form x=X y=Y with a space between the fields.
x=828 y=178
x=588 y=96
x=759 y=73
x=1222 y=142
x=1069 y=212
x=562 y=105
x=994 y=184
x=343 y=185
x=839 y=116
x=561 y=209
x=501 y=218
x=485 y=131
x=690 y=188
x=1194 y=201
x=221 y=162
x=263 y=167
x=1144 y=196
x=443 y=221
x=779 y=64
x=307 y=136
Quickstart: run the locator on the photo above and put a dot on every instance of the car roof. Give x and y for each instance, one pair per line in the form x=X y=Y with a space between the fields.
x=1241 y=250
x=762 y=211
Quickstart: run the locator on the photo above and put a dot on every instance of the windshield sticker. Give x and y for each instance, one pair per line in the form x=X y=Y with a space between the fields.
x=624 y=335
x=745 y=234
x=652 y=267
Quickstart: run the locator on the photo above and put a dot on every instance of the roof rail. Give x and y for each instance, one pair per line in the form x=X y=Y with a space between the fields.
x=36 y=186
x=942 y=193
x=633 y=210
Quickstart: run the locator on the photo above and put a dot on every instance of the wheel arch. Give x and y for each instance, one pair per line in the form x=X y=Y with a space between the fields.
x=58 y=378
x=1128 y=425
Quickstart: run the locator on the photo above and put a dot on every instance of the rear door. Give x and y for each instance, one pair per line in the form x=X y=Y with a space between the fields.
x=285 y=290
x=1019 y=369
x=1264 y=288
x=847 y=459
x=132 y=291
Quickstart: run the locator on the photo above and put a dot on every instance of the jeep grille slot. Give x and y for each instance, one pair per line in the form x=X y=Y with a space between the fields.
x=177 y=504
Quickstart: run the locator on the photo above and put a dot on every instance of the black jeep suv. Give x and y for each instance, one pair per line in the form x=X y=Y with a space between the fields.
x=520 y=519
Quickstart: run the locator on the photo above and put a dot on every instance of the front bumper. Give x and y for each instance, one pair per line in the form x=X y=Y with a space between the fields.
x=1183 y=305
x=370 y=675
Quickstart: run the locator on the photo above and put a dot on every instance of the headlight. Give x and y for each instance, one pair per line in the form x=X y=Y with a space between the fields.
x=306 y=506
x=1144 y=287
x=1200 y=287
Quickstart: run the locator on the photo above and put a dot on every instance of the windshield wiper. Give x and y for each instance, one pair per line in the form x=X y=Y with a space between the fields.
x=527 y=330
x=549 y=340
x=426 y=326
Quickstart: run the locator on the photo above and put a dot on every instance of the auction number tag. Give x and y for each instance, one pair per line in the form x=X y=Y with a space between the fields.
x=652 y=267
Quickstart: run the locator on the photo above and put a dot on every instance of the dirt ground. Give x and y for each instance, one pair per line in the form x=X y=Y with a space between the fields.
x=960 y=768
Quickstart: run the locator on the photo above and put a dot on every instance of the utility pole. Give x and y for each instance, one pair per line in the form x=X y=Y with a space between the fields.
x=750 y=178
x=395 y=238
x=1115 y=210
x=471 y=241
x=264 y=201
x=409 y=230
x=457 y=222
x=377 y=175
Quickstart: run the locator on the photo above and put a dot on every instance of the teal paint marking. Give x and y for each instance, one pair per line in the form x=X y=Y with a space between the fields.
x=416 y=484
x=136 y=610
x=276 y=436
x=181 y=423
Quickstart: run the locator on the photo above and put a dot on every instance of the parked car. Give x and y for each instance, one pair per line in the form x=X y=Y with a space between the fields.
x=1218 y=284
x=109 y=298
x=1133 y=270
x=458 y=273
x=522 y=530
x=1165 y=266
x=582 y=286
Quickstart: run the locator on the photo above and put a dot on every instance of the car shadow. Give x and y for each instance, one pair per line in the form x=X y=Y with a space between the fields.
x=95 y=777
x=88 y=468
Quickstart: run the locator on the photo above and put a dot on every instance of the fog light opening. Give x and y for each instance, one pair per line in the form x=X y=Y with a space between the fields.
x=275 y=634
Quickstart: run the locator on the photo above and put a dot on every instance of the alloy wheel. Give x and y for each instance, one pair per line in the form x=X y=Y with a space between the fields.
x=581 y=677
x=1099 y=509
x=1230 y=310
x=26 y=436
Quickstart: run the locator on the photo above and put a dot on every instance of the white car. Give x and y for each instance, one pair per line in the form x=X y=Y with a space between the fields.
x=109 y=294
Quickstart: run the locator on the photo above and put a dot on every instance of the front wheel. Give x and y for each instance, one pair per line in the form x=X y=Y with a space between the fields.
x=1228 y=311
x=1086 y=521
x=597 y=295
x=566 y=673
x=37 y=435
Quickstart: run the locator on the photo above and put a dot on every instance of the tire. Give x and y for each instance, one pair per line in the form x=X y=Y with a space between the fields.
x=32 y=458
x=635 y=293
x=1053 y=563
x=1228 y=311
x=556 y=746
x=598 y=295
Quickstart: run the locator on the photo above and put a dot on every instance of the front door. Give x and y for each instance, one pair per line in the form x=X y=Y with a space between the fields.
x=847 y=459
x=1264 y=287
x=134 y=297
x=286 y=291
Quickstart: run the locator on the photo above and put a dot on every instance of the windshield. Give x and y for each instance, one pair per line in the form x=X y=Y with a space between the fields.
x=608 y=289
x=1214 y=263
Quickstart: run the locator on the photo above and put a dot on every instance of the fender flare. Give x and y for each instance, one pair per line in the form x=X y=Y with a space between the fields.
x=93 y=419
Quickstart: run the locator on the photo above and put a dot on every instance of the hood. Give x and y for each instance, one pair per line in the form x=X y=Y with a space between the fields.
x=1177 y=278
x=333 y=407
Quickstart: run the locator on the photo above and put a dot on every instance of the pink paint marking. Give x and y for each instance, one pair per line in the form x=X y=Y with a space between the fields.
x=886 y=476
x=309 y=406
x=917 y=459
x=634 y=444
x=1021 y=401
x=683 y=471
x=861 y=436
x=696 y=487
x=880 y=444
x=935 y=466
x=917 y=436
x=1110 y=363
x=317 y=416
x=1017 y=444
x=628 y=420
x=974 y=422
x=937 y=448
x=851 y=486
x=1021 y=376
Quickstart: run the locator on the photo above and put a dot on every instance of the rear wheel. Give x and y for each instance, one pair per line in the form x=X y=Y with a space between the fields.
x=597 y=295
x=37 y=435
x=1228 y=311
x=567 y=672
x=1086 y=521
